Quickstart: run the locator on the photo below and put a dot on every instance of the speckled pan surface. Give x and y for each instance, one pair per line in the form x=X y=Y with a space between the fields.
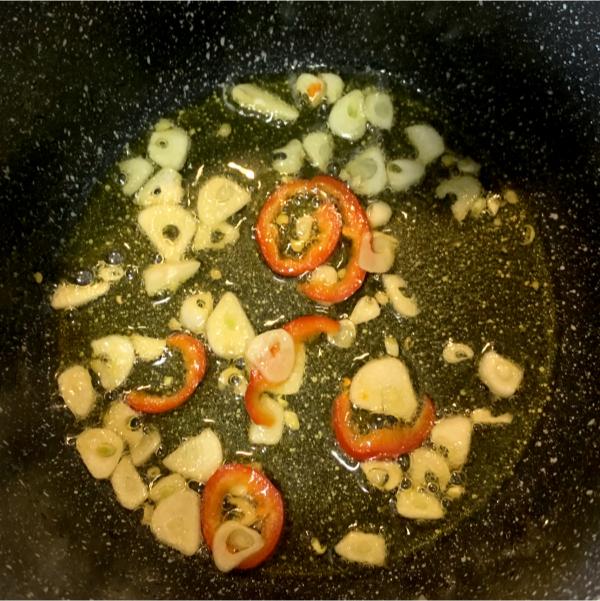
x=522 y=83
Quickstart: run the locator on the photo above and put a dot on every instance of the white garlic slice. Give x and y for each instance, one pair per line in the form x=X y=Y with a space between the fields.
x=113 y=359
x=346 y=335
x=147 y=348
x=253 y=98
x=453 y=434
x=484 y=416
x=228 y=328
x=311 y=87
x=418 y=505
x=362 y=547
x=500 y=374
x=273 y=354
x=455 y=352
x=289 y=158
x=164 y=188
x=197 y=458
x=424 y=461
x=466 y=189
x=268 y=435
x=366 y=172
x=136 y=171
x=146 y=447
x=379 y=109
x=75 y=387
x=109 y=273
x=69 y=296
x=327 y=274
x=169 y=228
x=403 y=305
x=384 y=475
x=427 y=141
x=377 y=252
x=100 y=450
x=318 y=147
x=195 y=311
x=167 y=277
x=215 y=237
x=118 y=418
x=245 y=541
x=220 y=198
x=129 y=487
x=167 y=485
x=391 y=346
x=402 y=174
x=347 y=117
x=334 y=86
x=365 y=309
x=294 y=382
x=169 y=147
x=379 y=213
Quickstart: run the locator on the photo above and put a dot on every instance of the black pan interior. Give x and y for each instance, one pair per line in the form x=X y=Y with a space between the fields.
x=521 y=82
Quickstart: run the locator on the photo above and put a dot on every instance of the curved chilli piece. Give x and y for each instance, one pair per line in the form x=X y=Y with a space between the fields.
x=266 y=498
x=194 y=359
x=326 y=216
x=255 y=408
x=381 y=443
x=355 y=226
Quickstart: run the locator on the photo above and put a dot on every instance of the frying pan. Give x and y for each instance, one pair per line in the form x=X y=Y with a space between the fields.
x=522 y=85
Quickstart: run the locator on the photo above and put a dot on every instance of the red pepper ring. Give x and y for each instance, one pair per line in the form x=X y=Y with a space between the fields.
x=302 y=329
x=194 y=358
x=267 y=501
x=381 y=443
x=326 y=216
x=356 y=225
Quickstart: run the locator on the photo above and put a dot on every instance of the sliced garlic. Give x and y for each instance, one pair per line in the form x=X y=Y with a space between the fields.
x=484 y=416
x=366 y=173
x=379 y=213
x=166 y=486
x=346 y=335
x=418 y=505
x=129 y=487
x=220 y=198
x=403 y=305
x=469 y=166
x=379 y=109
x=69 y=296
x=319 y=149
x=109 y=273
x=291 y=420
x=167 y=277
x=466 y=189
x=455 y=492
x=136 y=171
x=215 y=237
x=427 y=141
x=146 y=447
x=294 y=382
x=289 y=158
x=176 y=521
x=362 y=547
x=75 y=387
x=347 y=117
x=384 y=475
x=253 y=98
x=268 y=435
x=391 y=346
x=169 y=147
x=334 y=87
x=273 y=354
x=404 y=173
x=228 y=329
x=245 y=542
x=170 y=228
x=119 y=418
x=100 y=450
x=327 y=274
x=365 y=309
x=195 y=311
x=113 y=360
x=453 y=434
x=455 y=352
x=425 y=461
x=377 y=252
x=312 y=87
x=164 y=188
x=197 y=458
x=384 y=386
x=148 y=348
x=500 y=374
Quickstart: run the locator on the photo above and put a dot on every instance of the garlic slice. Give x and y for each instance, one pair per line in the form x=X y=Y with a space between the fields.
x=273 y=354
x=500 y=374
x=253 y=98
x=148 y=348
x=418 y=505
x=176 y=521
x=318 y=147
x=311 y=87
x=129 y=487
x=167 y=485
x=75 y=387
x=327 y=274
x=427 y=141
x=167 y=277
x=365 y=309
x=118 y=418
x=246 y=542
x=404 y=173
x=484 y=416
x=69 y=296
x=362 y=547
x=294 y=382
x=197 y=458
x=403 y=305
x=288 y=159
x=347 y=117
x=455 y=352
x=195 y=311
x=379 y=109
x=215 y=237
x=391 y=346
x=113 y=360
x=268 y=435
x=228 y=329
x=220 y=198
x=109 y=273
x=169 y=228
x=379 y=213
x=164 y=188
x=366 y=173
x=146 y=447
x=100 y=450
x=466 y=189
x=136 y=171
x=384 y=475
x=377 y=252
x=425 y=461
x=454 y=434
x=346 y=335
x=384 y=386
x=169 y=147
x=334 y=86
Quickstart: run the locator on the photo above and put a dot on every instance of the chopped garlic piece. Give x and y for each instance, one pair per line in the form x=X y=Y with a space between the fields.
x=385 y=475
x=500 y=374
x=75 y=387
x=366 y=309
x=291 y=420
x=391 y=346
x=455 y=352
x=362 y=547
x=484 y=416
